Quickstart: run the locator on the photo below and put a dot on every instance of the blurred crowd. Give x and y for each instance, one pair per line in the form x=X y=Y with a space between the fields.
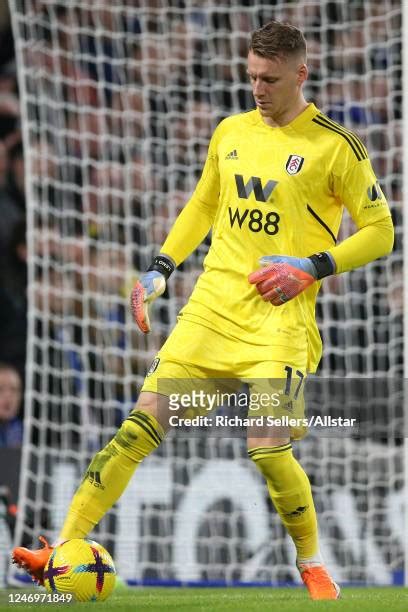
x=13 y=271
x=120 y=103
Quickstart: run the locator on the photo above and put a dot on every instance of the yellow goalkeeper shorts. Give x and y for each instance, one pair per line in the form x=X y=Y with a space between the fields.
x=196 y=363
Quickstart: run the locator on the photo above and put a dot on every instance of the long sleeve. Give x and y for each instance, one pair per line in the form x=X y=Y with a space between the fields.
x=368 y=243
x=195 y=220
x=359 y=190
x=189 y=230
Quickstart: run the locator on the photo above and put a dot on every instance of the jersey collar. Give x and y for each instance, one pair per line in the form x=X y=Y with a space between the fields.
x=298 y=122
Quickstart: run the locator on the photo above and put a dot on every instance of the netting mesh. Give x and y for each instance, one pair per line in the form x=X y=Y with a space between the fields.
x=119 y=102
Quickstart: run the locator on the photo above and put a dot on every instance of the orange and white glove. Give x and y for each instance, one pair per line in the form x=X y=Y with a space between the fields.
x=150 y=286
x=283 y=277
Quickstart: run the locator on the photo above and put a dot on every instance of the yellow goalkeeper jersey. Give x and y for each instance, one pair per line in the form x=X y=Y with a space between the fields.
x=274 y=191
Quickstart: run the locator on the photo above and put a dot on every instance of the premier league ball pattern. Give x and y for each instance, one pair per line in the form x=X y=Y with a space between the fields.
x=81 y=567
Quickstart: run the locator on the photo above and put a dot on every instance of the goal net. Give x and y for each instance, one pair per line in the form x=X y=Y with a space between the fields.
x=118 y=104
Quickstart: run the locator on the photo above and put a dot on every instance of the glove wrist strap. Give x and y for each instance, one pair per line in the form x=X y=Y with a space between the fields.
x=162 y=264
x=323 y=263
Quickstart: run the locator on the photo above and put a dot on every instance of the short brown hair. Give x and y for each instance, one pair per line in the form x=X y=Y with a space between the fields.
x=277 y=39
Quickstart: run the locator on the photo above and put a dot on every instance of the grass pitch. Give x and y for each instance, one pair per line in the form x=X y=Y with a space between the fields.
x=253 y=599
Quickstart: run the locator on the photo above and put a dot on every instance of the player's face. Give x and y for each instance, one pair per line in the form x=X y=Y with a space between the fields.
x=276 y=85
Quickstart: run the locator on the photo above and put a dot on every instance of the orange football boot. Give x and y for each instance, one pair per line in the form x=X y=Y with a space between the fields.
x=318 y=581
x=33 y=561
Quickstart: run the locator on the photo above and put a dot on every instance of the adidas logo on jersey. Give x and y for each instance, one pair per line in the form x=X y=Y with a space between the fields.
x=232 y=155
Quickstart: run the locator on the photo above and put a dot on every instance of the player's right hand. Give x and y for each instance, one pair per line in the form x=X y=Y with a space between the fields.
x=150 y=286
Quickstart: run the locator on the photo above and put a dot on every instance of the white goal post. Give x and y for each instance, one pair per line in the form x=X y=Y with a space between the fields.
x=118 y=102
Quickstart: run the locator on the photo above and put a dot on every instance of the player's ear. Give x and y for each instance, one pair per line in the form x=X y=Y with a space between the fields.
x=302 y=73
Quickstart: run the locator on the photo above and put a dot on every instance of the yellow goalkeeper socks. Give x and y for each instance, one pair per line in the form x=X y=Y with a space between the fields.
x=291 y=494
x=109 y=473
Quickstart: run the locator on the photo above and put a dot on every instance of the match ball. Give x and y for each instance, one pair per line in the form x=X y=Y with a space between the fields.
x=80 y=567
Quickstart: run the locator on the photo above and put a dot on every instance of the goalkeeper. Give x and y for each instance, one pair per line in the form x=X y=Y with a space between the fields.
x=272 y=191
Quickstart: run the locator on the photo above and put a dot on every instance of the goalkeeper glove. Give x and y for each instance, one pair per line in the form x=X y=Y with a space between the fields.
x=284 y=277
x=150 y=286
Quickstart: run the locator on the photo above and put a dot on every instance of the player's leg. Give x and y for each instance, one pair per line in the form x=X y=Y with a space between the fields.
x=106 y=477
x=111 y=468
x=288 y=485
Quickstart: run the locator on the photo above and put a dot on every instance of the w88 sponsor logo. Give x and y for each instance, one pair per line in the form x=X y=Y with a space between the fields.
x=255 y=219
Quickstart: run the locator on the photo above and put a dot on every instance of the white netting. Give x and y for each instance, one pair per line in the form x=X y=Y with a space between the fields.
x=118 y=102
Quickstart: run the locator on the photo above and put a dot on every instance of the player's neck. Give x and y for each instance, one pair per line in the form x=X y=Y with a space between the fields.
x=279 y=120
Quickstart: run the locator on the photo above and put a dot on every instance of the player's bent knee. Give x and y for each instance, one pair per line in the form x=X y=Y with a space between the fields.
x=155 y=405
x=147 y=401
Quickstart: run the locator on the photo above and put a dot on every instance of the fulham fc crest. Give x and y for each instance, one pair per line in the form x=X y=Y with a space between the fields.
x=153 y=366
x=294 y=164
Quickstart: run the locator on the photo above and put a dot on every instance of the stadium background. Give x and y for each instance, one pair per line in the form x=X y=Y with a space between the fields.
x=117 y=107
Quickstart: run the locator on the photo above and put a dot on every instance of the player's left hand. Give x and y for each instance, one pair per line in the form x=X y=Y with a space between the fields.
x=283 y=277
